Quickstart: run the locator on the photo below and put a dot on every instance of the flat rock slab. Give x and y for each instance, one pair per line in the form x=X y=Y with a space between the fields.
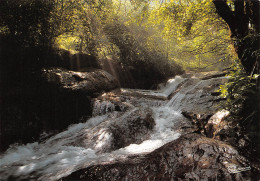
x=191 y=157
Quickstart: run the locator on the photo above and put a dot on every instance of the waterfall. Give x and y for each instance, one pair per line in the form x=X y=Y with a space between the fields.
x=67 y=151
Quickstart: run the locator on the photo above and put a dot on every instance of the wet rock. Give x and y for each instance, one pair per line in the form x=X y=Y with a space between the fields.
x=216 y=123
x=214 y=75
x=66 y=95
x=134 y=126
x=211 y=125
x=242 y=143
x=50 y=99
x=111 y=101
x=93 y=82
x=144 y=94
x=195 y=96
x=206 y=75
x=191 y=157
x=199 y=121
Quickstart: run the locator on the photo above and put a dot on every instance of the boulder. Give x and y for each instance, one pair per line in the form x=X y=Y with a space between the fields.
x=111 y=101
x=48 y=100
x=93 y=82
x=133 y=127
x=199 y=121
x=210 y=125
x=191 y=157
x=66 y=96
x=216 y=123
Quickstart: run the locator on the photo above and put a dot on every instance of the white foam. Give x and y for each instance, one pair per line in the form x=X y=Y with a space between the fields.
x=102 y=107
x=60 y=155
x=163 y=92
x=56 y=157
x=50 y=157
x=165 y=119
x=172 y=85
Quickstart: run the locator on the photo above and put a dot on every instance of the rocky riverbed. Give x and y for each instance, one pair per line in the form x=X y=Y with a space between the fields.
x=167 y=134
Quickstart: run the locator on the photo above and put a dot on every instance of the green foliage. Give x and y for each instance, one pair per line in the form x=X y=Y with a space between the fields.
x=195 y=36
x=26 y=21
x=239 y=89
x=186 y=32
x=134 y=50
x=242 y=100
x=133 y=32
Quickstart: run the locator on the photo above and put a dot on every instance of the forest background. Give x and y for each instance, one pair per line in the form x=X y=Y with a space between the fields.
x=187 y=32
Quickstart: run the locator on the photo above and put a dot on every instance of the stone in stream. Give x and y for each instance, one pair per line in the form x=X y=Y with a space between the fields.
x=111 y=101
x=195 y=96
x=101 y=151
x=50 y=99
x=133 y=127
x=66 y=95
x=191 y=157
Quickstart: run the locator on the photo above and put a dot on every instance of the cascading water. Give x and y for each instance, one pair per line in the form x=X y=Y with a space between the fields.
x=102 y=107
x=68 y=151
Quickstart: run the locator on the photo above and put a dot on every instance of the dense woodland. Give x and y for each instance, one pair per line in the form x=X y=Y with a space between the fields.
x=189 y=33
x=151 y=39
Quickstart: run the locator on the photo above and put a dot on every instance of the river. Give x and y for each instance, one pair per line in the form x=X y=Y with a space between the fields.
x=89 y=143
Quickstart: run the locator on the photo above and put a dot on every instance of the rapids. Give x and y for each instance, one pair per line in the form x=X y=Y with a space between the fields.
x=64 y=153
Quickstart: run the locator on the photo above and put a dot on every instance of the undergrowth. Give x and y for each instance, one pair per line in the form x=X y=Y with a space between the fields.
x=242 y=100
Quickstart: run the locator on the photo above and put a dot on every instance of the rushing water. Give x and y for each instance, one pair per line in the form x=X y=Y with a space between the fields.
x=63 y=153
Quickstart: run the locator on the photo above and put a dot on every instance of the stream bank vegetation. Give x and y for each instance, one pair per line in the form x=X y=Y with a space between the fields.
x=242 y=92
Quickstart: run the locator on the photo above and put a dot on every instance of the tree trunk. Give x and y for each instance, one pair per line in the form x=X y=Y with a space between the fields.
x=243 y=21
